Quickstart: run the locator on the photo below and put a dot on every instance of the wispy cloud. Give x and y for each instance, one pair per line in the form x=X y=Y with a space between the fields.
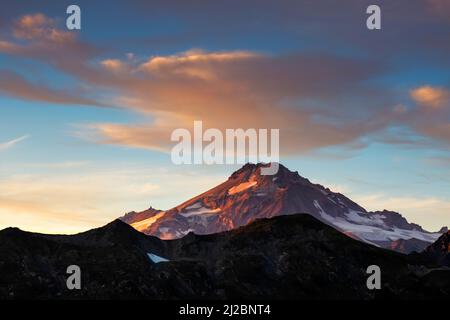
x=58 y=165
x=14 y=85
x=12 y=143
x=38 y=37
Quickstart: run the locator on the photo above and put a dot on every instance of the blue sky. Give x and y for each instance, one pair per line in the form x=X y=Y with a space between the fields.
x=86 y=115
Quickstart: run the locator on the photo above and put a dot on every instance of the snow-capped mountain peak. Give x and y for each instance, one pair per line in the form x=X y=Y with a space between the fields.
x=248 y=195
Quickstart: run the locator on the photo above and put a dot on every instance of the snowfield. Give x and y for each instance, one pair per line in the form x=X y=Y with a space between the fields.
x=371 y=228
x=198 y=209
x=156 y=259
x=144 y=224
x=241 y=187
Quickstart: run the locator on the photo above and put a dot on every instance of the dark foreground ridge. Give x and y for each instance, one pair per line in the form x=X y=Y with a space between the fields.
x=287 y=257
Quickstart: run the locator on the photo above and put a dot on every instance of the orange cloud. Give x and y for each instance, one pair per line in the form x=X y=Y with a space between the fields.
x=193 y=63
x=238 y=89
x=433 y=97
x=15 y=85
x=431 y=119
x=38 y=36
x=316 y=100
x=38 y=26
x=114 y=65
x=146 y=137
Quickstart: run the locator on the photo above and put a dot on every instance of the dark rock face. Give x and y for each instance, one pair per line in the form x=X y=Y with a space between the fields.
x=440 y=250
x=247 y=195
x=443 y=230
x=287 y=257
x=408 y=246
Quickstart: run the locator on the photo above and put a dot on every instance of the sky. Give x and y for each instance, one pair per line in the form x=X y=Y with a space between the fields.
x=86 y=115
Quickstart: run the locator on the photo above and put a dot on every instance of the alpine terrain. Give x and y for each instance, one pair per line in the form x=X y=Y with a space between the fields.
x=247 y=195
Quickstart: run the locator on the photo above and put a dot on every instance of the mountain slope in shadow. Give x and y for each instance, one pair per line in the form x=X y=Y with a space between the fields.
x=287 y=257
x=440 y=250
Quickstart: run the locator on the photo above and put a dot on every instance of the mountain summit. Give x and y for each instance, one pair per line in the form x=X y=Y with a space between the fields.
x=247 y=195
